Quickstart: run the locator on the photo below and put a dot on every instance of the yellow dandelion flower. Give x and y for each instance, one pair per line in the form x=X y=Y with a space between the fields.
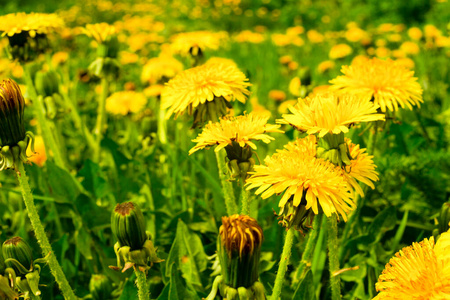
x=415 y=33
x=277 y=95
x=361 y=168
x=314 y=36
x=153 y=90
x=124 y=102
x=419 y=271
x=100 y=32
x=384 y=81
x=327 y=113
x=405 y=62
x=33 y=23
x=39 y=155
x=294 y=86
x=325 y=66
x=250 y=37
x=241 y=129
x=160 y=69
x=197 y=41
x=202 y=84
x=284 y=106
x=340 y=51
x=356 y=34
x=306 y=146
x=304 y=180
x=410 y=48
x=221 y=60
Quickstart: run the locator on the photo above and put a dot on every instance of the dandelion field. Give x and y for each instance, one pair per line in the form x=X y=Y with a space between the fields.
x=226 y=149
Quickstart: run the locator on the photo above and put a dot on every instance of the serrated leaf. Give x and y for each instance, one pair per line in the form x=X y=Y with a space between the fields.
x=187 y=252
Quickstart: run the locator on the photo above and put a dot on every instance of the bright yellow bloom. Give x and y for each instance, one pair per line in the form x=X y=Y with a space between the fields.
x=100 y=32
x=277 y=95
x=221 y=60
x=384 y=81
x=415 y=33
x=340 y=51
x=328 y=113
x=410 y=48
x=314 y=36
x=159 y=68
x=184 y=43
x=39 y=155
x=420 y=271
x=361 y=168
x=202 y=84
x=124 y=102
x=240 y=129
x=325 y=66
x=302 y=178
x=249 y=36
x=33 y=23
x=356 y=34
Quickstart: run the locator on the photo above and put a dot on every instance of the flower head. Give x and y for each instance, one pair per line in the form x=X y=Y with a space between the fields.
x=387 y=83
x=420 y=271
x=12 y=104
x=100 y=32
x=160 y=69
x=240 y=129
x=327 y=113
x=33 y=24
x=304 y=180
x=196 y=42
x=124 y=102
x=199 y=85
x=361 y=168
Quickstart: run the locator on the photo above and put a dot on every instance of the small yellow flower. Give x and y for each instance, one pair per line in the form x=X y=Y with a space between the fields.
x=294 y=86
x=277 y=95
x=415 y=33
x=314 y=36
x=304 y=180
x=153 y=90
x=187 y=42
x=202 y=84
x=39 y=155
x=221 y=60
x=124 y=102
x=410 y=48
x=405 y=62
x=356 y=34
x=59 y=58
x=33 y=23
x=100 y=32
x=328 y=113
x=384 y=81
x=325 y=66
x=249 y=36
x=240 y=129
x=340 y=51
x=160 y=69
x=420 y=271
x=361 y=168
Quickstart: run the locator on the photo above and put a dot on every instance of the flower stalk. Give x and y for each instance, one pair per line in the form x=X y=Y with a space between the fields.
x=41 y=236
x=285 y=256
x=227 y=186
x=333 y=259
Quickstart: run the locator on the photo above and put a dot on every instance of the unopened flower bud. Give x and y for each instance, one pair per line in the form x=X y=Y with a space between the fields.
x=239 y=250
x=12 y=104
x=100 y=287
x=18 y=256
x=128 y=225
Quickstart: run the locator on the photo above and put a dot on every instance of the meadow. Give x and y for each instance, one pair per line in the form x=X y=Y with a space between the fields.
x=226 y=149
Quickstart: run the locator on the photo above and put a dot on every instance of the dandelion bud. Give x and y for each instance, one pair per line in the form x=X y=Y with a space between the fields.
x=332 y=147
x=17 y=255
x=47 y=83
x=128 y=225
x=12 y=128
x=239 y=249
x=100 y=287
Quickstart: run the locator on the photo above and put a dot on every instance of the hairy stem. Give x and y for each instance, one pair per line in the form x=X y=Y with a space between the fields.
x=101 y=118
x=333 y=259
x=41 y=236
x=227 y=186
x=285 y=256
x=141 y=282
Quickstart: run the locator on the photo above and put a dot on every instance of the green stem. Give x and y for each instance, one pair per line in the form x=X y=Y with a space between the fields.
x=162 y=126
x=245 y=200
x=141 y=282
x=101 y=118
x=39 y=110
x=227 y=186
x=285 y=256
x=41 y=236
x=307 y=255
x=333 y=259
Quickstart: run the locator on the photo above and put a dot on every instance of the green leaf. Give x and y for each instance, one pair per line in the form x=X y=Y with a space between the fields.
x=305 y=289
x=130 y=291
x=187 y=252
x=384 y=221
x=94 y=180
x=178 y=287
x=65 y=187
